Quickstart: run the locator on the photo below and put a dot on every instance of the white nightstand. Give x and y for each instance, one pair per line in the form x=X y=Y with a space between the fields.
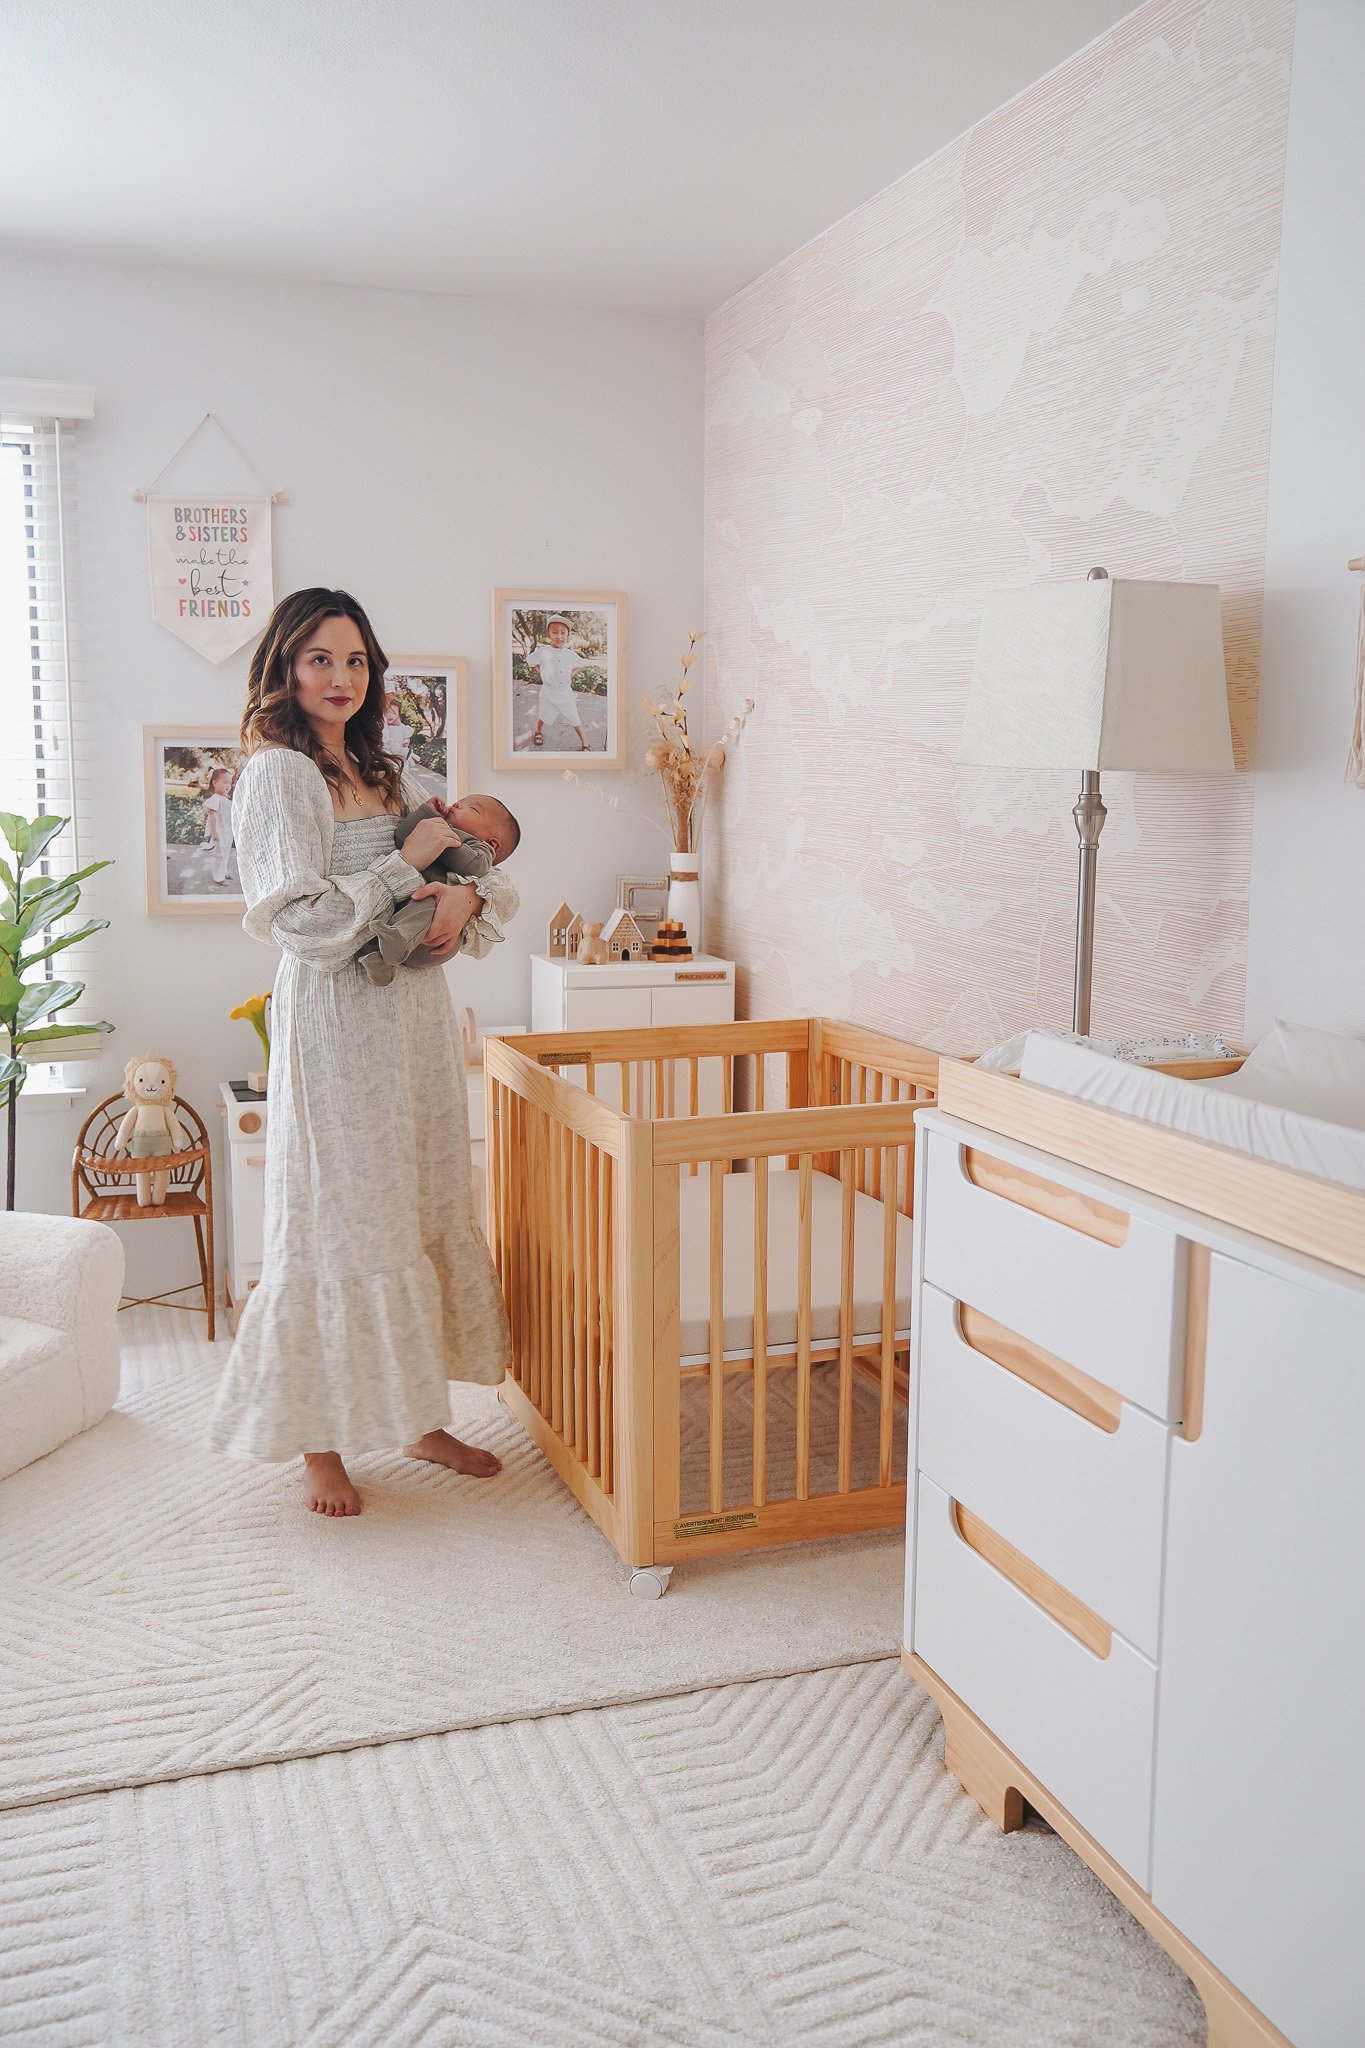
x=244 y=1118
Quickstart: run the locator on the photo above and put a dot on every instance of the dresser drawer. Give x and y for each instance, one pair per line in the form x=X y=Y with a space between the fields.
x=1081 y=1721
x=1102 y=1290
x=1081 y=1493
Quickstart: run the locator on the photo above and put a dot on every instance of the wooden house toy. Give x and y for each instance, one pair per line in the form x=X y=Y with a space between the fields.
x=573 y=936
x=623 y=938
x=557 y=943
x=671 y=941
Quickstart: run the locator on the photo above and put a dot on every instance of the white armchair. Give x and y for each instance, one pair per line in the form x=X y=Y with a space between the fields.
x=61 y=1281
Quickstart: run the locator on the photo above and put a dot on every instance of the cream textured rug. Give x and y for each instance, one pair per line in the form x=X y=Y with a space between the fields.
x=764 y=1866
x=166 y=1611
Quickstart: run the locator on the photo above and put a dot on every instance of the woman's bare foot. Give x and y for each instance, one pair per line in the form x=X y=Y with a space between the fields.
x=439 y=1447
x=327 y=1484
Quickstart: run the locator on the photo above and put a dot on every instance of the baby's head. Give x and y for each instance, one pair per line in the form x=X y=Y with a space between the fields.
x=483 y=817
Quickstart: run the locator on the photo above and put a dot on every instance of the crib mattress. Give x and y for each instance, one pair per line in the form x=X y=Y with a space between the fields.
x=738 y=1239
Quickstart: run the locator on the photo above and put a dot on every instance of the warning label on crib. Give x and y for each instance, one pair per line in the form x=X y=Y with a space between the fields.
x=714 y=1525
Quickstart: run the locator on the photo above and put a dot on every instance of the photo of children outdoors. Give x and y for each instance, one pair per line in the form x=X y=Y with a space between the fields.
x=192 y=777
x=557 y=677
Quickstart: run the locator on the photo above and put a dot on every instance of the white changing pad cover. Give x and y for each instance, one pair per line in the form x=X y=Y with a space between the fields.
x=694 y=1219
x=1220 y=1111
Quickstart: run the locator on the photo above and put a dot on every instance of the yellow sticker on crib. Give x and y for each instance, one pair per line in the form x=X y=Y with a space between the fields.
x=714 y=1525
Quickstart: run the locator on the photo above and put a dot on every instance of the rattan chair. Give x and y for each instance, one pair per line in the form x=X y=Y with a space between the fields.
x=110 y=1197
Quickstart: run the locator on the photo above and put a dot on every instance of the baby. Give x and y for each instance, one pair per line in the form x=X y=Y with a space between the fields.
x=488 y=834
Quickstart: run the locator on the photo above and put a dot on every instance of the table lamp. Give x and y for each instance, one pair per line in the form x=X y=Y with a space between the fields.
x=1106 y=673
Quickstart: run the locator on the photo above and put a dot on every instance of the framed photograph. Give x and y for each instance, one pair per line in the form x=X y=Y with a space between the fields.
x=426 y=714
x=189 y=774
x=558 y=675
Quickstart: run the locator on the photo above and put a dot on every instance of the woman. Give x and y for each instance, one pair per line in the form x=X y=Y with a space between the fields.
x=376 y=1285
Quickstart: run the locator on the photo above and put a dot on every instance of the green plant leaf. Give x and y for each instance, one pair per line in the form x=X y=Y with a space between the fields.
x=96 y=924
x=42 y=832
x=54 y=902
x=11 y=992
x=15 y=830
x=93 y=869
x=42 y=998
x=7 y=876
x=65 y=1031
x=8 y=1070
x=11 y=938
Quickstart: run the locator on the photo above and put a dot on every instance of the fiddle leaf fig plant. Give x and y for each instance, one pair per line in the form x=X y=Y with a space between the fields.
x=29 y=908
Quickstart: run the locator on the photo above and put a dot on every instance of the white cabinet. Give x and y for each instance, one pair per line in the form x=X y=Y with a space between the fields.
x=1258 y=1849
x=567 y=997
x=244 y=1126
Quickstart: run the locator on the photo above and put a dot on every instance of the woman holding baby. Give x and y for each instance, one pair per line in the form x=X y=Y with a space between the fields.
x=377 y=1287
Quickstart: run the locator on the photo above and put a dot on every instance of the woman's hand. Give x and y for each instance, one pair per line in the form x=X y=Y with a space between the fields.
x=456 y=903
x=428 y=839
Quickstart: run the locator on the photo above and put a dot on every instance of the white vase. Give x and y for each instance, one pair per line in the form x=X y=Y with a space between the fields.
x=684 y=895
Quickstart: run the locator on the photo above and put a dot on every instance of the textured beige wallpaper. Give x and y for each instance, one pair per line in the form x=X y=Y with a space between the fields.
x=1048 y=347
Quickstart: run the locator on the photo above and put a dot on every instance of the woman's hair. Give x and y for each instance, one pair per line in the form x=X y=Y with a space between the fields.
x=272 y=706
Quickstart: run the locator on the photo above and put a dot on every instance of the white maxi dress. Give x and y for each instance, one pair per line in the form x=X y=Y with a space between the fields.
x=376 y=1286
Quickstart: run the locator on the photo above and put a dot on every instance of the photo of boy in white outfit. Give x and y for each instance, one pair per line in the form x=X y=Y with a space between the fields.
x=398 y=734
x=557 y=662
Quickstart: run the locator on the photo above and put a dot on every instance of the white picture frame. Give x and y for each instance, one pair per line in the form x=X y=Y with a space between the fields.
x=589 y=680
x=189 y=843
x=433 y=696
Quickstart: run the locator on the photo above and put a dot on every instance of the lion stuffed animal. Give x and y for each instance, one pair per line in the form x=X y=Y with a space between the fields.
x=151 y=1127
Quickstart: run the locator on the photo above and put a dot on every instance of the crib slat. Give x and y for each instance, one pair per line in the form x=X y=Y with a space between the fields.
x=540 y=1254
x=578 y=1291
x=760 y=1331
x=592 y=1334
x=693 y=1097
x=889 y=1287
x=805 y=1209
x=846 y=1322
x=716 y=1380
x=658 y=1087
x=606 y=1295
x=556 y=1227
x=879 y=1083
x=760 y=1067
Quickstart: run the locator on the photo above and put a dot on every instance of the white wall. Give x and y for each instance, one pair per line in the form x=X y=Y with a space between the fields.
x=431 y=448
x=1307 y=936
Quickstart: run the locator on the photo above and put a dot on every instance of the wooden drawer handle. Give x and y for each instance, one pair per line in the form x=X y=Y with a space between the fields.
x=1073 y=1615
x=1196 y=1340
x=1045 y=1197
x=1088 y=1398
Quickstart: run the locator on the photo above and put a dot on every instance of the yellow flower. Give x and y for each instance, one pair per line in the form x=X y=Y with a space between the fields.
x=252 y=1012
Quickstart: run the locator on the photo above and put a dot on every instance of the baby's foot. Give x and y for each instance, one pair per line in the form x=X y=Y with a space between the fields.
x=327 y=1484
x=439 y=1447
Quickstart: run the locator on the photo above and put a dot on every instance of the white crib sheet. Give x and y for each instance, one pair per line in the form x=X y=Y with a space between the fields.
x=738 y=1239
x=1224 y=1113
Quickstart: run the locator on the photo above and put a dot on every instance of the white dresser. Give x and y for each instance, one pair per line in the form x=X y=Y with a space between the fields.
x=1136 y=1559
x=567 y=997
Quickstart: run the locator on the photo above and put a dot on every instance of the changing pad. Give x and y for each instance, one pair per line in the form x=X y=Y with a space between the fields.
x=1257 y=1111
x=738 y=1291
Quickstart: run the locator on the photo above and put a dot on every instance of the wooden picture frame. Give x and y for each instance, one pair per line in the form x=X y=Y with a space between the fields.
x=593 y=685
x=188 y=848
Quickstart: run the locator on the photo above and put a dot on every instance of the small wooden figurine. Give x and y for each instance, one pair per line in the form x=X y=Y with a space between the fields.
x=591 y=950
x=671 y=941
x=559 y=933
x=623 y=938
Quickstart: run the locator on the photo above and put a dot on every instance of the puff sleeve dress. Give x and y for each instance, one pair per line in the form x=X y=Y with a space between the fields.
x=376 y=1285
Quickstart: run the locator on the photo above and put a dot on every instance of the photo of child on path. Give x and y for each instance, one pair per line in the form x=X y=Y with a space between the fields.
x=557 y=678
x=191 y=845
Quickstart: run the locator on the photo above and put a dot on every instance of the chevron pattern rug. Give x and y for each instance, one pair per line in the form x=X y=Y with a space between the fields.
x=768 y=1865
x=168 y=1612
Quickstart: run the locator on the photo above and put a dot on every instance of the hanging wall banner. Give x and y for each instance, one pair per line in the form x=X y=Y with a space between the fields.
x=212 y=575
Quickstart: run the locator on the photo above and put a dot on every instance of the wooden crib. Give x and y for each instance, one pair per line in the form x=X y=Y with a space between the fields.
x=703 y=1235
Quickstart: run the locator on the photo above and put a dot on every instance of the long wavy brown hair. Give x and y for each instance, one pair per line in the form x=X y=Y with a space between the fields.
x=272 y=706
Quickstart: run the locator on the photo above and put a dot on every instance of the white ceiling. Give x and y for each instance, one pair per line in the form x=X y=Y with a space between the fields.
x=651 y=154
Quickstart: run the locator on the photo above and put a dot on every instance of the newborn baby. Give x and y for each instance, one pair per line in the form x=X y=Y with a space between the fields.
x=488 y=833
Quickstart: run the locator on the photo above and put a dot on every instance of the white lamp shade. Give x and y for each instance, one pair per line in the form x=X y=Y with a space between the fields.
x=1108 y=673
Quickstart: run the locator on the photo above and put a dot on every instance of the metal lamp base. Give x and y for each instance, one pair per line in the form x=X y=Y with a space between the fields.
x=1090 y=815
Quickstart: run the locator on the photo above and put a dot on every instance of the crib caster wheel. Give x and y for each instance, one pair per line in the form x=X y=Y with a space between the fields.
x=650 y=1581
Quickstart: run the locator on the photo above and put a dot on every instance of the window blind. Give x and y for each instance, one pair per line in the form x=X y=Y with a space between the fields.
x=45 y=759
